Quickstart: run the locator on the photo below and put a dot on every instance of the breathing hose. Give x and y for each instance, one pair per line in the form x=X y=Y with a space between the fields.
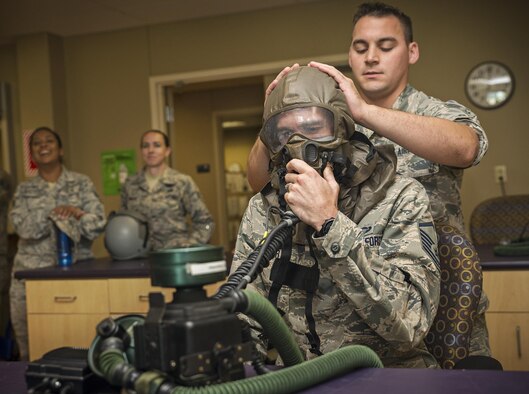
x=296 y=376
x=258 y=307
x=259 y=258
x=287 y=380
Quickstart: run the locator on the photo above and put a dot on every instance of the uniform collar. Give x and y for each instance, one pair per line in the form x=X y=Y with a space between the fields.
x=66 y=176
x=401 y=103
x=168 y=178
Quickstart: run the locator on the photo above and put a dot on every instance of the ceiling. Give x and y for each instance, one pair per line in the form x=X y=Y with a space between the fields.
x=74 y=17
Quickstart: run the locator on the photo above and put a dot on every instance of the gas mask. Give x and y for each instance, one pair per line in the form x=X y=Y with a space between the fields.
x=307 y=133
x=306 y=117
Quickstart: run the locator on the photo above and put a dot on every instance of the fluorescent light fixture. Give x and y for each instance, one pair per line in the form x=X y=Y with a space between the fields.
x=229 y=124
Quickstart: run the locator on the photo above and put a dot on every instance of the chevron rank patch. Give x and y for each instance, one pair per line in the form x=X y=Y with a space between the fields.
x=429 y=241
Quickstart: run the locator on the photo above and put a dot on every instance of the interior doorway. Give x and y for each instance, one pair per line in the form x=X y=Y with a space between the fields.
x=214 y=127
x=239 y=130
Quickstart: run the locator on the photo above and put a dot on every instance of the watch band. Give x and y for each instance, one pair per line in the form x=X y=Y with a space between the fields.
x=325 y=227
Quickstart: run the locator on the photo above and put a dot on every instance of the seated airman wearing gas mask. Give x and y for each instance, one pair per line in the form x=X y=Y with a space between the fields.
x=361 y=267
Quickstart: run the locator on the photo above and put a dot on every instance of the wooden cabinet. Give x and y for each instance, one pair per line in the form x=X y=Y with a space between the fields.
x=508 y=317
x=51 y=331
x=65 y=312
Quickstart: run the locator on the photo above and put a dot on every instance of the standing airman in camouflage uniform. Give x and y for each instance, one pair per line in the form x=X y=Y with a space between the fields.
x=442 y=182
x=56 y=197
x=434 y=140
x=370 y=237
x=6 y=192
x=166 y=198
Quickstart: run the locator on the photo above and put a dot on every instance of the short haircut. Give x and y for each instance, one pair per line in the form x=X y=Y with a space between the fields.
x=165 y=137
x=378 y=9
x=44 y=128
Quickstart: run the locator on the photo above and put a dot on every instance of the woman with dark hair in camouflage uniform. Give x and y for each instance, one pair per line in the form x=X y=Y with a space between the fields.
x=56 y=197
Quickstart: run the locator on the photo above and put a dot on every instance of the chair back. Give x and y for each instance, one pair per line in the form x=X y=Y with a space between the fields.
x=461 y=282
x=500 y=220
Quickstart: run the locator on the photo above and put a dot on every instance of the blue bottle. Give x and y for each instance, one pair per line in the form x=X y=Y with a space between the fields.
x=64 y=249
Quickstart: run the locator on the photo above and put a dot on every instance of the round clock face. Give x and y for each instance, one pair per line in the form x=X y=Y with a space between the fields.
x=489 y=85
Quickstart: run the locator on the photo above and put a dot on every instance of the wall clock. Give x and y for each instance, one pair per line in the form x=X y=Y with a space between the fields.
x=489 y=85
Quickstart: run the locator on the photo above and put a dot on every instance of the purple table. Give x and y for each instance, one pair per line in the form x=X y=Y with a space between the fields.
x=395 y=381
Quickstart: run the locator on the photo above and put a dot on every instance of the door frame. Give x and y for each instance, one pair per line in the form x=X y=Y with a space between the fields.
x=159 y=82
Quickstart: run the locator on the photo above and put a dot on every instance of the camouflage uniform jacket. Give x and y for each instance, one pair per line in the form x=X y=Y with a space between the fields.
x=379 y=278
x=6 y=191
x=442 y=183
x=31 y=217
x=167 y=206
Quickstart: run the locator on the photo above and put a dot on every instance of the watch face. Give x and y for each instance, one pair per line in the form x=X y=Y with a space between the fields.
x=489 y=85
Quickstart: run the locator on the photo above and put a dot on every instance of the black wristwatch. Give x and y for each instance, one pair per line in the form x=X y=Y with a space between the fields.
x=325 y=227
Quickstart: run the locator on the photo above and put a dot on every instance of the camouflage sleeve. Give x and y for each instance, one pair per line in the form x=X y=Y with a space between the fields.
x=124 y=195
x=92 y=223
x=452 y=110
x=251 y=231
x=30 y=221
x=247 y=236
x=202 y=222
x=395 y=290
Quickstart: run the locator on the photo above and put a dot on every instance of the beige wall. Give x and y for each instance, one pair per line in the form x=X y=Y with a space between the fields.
x=106 y=75
x=461 y=35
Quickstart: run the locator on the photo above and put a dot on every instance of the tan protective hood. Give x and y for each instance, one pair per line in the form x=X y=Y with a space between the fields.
x=369 y=170
x=307 y=86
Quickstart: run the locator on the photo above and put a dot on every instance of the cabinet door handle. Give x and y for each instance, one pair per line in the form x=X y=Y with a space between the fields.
x=65 y=299
x=519 y=341
x=143 y=298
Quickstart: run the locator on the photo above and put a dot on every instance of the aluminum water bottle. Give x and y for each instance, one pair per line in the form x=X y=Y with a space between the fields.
x=64 y=249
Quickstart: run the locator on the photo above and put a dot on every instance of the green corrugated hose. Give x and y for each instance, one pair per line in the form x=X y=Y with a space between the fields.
x=290 y=379
x=274 y=327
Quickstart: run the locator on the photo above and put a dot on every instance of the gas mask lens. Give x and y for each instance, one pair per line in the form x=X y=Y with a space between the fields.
x=314 y=123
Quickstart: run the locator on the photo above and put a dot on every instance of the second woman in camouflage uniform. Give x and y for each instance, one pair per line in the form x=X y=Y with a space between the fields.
x=166 y=198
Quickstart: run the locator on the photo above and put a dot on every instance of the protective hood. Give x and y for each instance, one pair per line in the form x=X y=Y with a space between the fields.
x=364 y=173
x=304 y=99
x=307 y=86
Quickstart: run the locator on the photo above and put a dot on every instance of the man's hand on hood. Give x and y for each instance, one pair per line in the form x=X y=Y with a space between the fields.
x=355 y=102
x=311 y=197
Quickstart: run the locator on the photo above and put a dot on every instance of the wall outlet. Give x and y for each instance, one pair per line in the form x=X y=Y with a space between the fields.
x=500 y=174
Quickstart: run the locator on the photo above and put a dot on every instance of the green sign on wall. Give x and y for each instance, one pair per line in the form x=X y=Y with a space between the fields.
x=117 y=165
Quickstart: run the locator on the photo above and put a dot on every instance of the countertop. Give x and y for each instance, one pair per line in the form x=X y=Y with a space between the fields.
x=105 y=267
x=91 y=269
